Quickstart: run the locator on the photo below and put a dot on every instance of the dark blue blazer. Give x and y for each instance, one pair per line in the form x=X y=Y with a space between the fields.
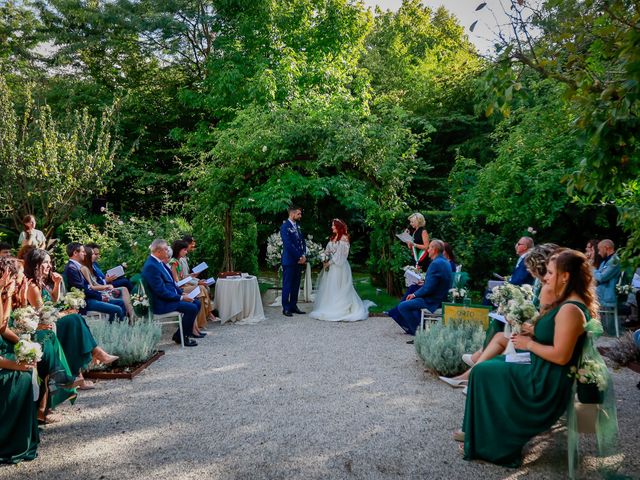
x=101 y=277
x=166 y=296
x=77 y=280
x=521 y=275
x=437 y=283
x=293 y=244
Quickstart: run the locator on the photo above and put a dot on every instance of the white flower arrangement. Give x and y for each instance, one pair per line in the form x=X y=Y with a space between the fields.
x=27 y=351
x=515 y=303
x=274 y=249
x=458 y=294
x=48 y=315
x=590 y=372
x=74 y=299
x=531 y=230
x=25 y=320
x=624 y=289
x=139 y=300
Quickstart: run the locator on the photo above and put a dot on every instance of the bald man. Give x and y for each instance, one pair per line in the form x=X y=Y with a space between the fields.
x=607 y=274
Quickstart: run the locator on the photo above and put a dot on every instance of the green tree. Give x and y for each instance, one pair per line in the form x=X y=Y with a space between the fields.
x=590 y=48
x=49 y=167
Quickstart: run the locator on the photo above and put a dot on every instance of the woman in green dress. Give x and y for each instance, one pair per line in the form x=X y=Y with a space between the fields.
x=531 y=397
x=79 y=346
x=58 y=384
x=19 y=435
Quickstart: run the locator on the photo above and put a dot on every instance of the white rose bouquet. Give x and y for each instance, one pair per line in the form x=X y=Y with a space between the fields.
x=315 y=252
x=74 y=300
x=139 y=300
x=274 y=250
x=48 y=315
x=25 y=320
x=27 y=351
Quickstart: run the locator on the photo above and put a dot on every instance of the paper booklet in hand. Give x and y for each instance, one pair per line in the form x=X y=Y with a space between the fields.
x=210 y=281
x=116 y=272
x=200 y=268
x=194 y=293
x=184 y=281
x=405 y=237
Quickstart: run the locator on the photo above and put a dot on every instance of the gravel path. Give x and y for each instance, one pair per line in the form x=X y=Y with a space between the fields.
x=290 y=398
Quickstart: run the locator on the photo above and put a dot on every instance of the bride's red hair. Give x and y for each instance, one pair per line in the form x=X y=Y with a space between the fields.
x=341 y=230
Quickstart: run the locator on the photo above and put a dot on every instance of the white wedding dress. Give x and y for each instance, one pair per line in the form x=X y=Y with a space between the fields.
x=336 y=299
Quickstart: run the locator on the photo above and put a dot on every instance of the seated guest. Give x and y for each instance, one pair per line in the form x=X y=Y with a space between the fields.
x=102 y=278
x=495 y=342
x=179 y=249
x=5 y=249
x=19 y=436
x=30 y=235
x=96 y=301
x=531 y=397
x=166 y=296
x=57 y=383
x=89 y=274
x=431 y=295
x=607 y=274
x=449 y=255
x=207 y=308
x=72 y=330
x=520 y=274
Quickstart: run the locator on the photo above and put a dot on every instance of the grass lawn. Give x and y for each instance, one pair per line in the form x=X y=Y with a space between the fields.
x=361 y=281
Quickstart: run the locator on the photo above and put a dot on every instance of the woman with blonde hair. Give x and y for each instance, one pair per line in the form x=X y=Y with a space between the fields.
x=420 y=243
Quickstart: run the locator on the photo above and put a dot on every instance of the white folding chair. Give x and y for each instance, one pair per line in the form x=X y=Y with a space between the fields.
x=427 y=318
x=606 y=312
x=162 y=318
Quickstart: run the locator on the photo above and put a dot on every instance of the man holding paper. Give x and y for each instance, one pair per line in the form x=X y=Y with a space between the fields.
x=167 y=297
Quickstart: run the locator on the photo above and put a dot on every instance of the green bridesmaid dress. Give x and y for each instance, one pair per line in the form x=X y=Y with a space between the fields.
x=76 y=339
x=510 y=403
x=55 y=367
x=19 y=436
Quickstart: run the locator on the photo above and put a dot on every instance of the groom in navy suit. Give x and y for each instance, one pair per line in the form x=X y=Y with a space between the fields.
x=167 y=297
x=294 y=249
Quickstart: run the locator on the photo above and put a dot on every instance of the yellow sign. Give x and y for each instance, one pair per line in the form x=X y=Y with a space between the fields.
x=470 y=313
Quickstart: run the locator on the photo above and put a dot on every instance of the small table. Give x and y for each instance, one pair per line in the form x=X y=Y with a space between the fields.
x=238 y=300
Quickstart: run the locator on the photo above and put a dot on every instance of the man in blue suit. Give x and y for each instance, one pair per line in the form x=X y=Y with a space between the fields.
x=435 y=290
x=95 y=300
x=294 y=249
x=167 y=297
x=520 y=274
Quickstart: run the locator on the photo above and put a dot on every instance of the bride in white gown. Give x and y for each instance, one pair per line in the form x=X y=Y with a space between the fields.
x=336 y=299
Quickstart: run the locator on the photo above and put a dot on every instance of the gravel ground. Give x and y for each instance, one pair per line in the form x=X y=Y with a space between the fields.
x=291 y=398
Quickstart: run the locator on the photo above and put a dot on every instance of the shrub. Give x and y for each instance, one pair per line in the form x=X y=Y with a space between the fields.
x=624 y=350
x=121 y=239
x=132 y=343
x=441 y=346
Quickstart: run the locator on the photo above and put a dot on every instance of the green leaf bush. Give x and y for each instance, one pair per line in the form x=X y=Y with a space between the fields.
x=441 y=346
x=134 y=344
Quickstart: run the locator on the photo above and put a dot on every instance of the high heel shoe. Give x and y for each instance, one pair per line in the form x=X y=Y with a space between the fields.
x=103 y=358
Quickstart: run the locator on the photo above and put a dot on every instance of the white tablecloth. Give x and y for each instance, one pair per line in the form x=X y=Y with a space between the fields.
x=238 y=300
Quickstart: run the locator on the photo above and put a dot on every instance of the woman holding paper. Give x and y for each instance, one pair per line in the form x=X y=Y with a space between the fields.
x=420 y=243
x=180 y=274
x=117 y=295
x=531 y=396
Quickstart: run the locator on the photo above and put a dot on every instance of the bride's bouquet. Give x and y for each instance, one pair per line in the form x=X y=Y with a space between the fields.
x=315 y=251
x=27 y=351
x=48 y=315
x=73 y=300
